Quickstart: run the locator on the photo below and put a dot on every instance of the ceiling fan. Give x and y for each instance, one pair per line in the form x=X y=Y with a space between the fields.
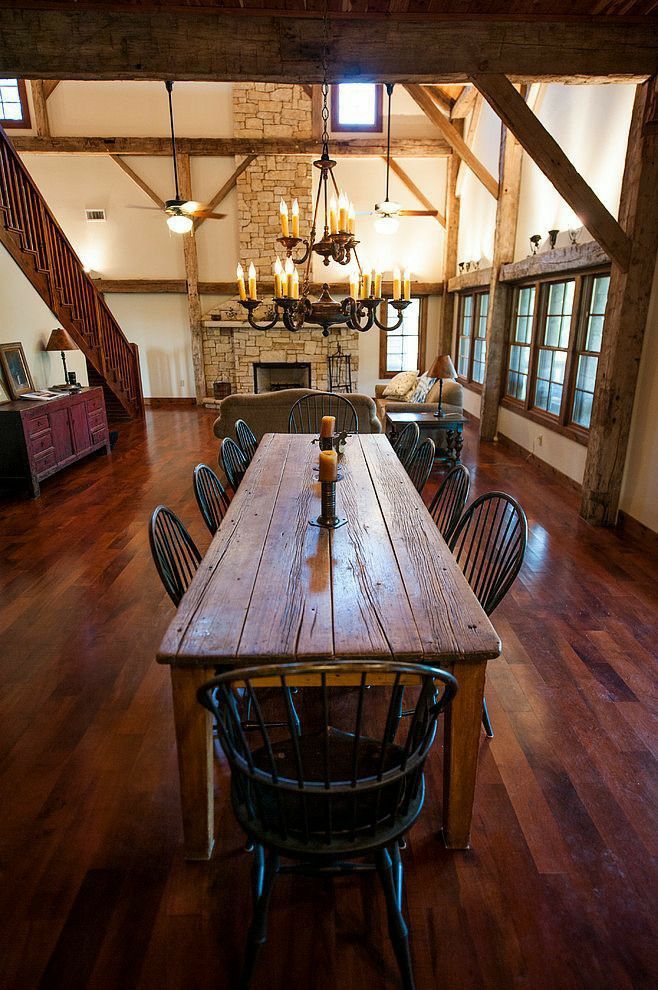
x=389 y=212
x=181 y=213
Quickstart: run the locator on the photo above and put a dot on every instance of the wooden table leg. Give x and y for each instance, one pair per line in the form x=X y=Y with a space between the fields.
x=195 y=761
x=463 y=726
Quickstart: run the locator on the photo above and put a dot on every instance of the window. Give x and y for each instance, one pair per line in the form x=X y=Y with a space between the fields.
x=403 y=349
x=589 y=347
x=552 y=354
x=13 y=103
x=356 y=107
x=472 y=337
x=553 y=350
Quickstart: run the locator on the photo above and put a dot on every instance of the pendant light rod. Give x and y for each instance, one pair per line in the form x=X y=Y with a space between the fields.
x=389 y=90
x=170 y=87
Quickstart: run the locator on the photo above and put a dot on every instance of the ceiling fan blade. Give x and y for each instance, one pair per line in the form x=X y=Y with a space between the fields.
x=192 y=206
x=366 y=213
x=419 y=213
x=206 y=215
x=151 y=209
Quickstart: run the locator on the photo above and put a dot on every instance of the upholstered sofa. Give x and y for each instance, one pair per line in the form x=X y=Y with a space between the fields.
x=268 y=412
x=453 y=401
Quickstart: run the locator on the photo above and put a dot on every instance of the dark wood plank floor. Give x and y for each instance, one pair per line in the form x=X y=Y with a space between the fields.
x=558 y=890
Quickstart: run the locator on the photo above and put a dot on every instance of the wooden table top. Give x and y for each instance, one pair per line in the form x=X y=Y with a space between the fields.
x=273 y=587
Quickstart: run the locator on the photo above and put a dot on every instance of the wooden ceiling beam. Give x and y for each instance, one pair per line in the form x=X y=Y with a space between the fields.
x=229 y=147
x=414 y=190
x=441 y=99
x=463 y=105
x=136 y=42
x=135 y=286
x=137 y=179
x=226 y=188
x=550 y=158
x=49 y=87
x=423 y=97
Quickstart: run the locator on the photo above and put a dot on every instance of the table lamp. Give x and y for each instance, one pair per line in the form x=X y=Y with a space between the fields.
x=60 y=340
x=442 y=368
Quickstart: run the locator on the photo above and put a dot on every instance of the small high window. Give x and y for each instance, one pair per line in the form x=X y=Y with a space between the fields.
x=472 y=337
x=13 y=103
x=356 y=107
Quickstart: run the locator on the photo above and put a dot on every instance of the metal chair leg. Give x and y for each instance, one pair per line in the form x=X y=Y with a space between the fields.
x=486 y=721
x=264 y=873
x=389 y=870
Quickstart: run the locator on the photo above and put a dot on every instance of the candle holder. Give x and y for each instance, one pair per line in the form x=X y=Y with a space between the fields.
x=328 y=518
x=290 y=243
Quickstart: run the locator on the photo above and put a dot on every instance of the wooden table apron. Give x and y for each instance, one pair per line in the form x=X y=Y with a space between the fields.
x=272 y=588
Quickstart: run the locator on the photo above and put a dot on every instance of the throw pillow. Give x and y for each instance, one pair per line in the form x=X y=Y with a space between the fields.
x=433 y=394
x=400 y=386
x=422 y=388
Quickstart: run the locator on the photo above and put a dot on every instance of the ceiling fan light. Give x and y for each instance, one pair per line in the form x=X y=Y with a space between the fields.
x=180 y=224
x=386 y=225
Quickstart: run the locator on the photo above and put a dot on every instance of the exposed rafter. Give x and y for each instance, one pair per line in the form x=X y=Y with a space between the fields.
x=227 y=147
x=137 y=179
x=226 y=188
x=40 y=108
x=423 y=97
x=550 y=158
x=464 y=103
x=81 y=41
x=413 y=188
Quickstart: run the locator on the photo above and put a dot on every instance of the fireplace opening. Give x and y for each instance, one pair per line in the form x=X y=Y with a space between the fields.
x=273 y=376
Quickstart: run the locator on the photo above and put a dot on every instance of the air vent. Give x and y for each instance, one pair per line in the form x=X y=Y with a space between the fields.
x=95 y=216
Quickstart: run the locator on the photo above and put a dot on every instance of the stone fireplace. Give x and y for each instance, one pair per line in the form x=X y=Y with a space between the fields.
x=231 y=348
x=272 y=376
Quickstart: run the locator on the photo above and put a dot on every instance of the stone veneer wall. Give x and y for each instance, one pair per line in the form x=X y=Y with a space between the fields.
x=270 y=110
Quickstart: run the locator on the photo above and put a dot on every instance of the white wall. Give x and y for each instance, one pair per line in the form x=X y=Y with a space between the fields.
x=477 y=215
x=25 y=317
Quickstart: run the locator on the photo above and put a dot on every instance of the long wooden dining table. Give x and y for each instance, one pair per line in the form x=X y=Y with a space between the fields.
x=274 y=589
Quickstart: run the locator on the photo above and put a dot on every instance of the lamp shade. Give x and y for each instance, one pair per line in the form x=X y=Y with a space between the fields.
x=59 y=340
x=442 y=367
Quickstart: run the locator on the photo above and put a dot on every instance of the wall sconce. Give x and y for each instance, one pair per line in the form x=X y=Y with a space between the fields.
x=534 y=243
x=573 y=237
x=468 y=266
x=552 y=238
x=461 y=267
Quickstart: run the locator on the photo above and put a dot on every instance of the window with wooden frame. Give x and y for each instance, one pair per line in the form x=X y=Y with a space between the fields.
x=403 y=349
x=553 y=347
x=472 y=337
x=357 y=107
x=14 y=110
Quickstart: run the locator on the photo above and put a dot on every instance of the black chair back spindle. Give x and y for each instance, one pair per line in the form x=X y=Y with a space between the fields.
x=448 y=503
x=406 y=443
x=420 y=466
x=210 y=495
x=246 y=440
x=175 y=553
x=307 y=413
x=489 y=544
x=233 y=461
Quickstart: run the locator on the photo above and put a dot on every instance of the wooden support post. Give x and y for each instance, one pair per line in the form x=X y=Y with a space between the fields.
x=463 y=105
x=511 y=158
x=450 y=256
x=423 y=97
x=41 y=122
x=625 y=317
x=192 y=277
x=547 y=154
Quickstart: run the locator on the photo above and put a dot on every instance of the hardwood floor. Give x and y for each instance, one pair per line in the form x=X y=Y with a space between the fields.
x=558 y=890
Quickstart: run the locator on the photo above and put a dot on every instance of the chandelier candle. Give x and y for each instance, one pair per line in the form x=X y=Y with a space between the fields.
x=407 y=285
x=396 y=284
x=283 y=217
x=252 y=282
x=295 y=218
x=278 y=280
x=241 y=288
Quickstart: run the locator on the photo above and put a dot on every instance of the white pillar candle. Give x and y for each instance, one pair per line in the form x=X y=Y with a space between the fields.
x=278 y=272
x=295 y=218
x=396 y=283
x=240 y=277
x=252 y=282
x=283 y=217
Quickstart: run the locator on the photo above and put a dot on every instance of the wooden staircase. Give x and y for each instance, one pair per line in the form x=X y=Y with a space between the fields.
x=42 y=251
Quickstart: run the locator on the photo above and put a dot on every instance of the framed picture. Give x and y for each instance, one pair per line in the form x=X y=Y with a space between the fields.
x=16 y=372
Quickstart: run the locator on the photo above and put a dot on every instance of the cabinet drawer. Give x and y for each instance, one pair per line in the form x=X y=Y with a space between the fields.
x=98 y=435
x=96 y=419
x=44 y=462
x=42 y=442
x=94 y=403
x=37 y=425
